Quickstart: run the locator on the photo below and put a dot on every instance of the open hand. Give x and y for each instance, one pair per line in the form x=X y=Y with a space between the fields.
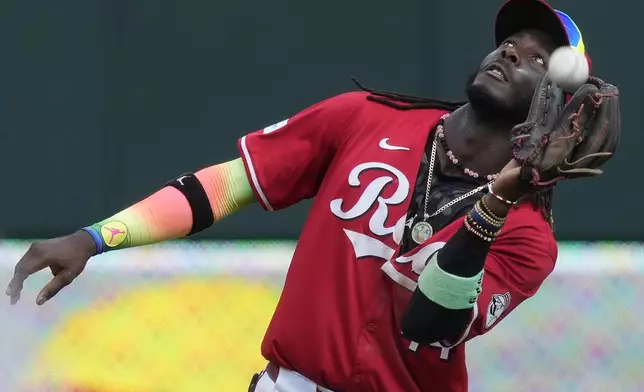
x=66 y=257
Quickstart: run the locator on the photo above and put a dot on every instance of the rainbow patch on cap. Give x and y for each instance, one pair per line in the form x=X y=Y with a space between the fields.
x=574 y=34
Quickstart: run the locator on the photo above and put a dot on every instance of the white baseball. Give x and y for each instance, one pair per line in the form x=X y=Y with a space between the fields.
x=568 y=68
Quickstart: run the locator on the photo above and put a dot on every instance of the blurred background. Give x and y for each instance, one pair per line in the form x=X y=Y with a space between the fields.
x=103 y=101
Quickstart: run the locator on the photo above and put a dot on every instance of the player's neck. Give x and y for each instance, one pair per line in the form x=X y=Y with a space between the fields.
x=472 y=125
x=482 y=144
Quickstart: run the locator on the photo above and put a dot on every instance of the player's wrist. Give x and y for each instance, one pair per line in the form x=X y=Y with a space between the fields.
x=448 y=290
x=496 y=206
x=508 y=188
x=90 y=239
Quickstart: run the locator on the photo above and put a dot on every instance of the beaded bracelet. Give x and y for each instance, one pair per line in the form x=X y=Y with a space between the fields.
x=477 y=233
x=486 y=209
x=490 y=232
x=506 y=201
x=482 y=224
x=479 y=214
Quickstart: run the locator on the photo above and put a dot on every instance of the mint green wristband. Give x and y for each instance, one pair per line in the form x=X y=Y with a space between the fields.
x=447 y=290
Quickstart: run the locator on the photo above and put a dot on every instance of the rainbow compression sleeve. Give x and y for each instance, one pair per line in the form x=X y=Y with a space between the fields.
x=167 y=215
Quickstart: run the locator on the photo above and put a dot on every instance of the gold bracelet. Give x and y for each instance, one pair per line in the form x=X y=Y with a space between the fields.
x=487 y=210
x=476 y=233
x=506 y=201
x=472 y=222
x=486 y=216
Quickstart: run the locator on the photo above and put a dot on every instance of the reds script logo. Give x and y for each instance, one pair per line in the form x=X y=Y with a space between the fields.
x=365 y=245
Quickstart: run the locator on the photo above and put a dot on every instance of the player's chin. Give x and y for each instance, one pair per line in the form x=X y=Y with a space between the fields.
x=491 y=95
x=499 y=90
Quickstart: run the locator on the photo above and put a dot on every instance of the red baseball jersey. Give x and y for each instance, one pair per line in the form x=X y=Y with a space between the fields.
x=338 y=321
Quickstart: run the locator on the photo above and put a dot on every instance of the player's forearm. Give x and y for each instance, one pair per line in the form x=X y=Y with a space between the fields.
x=465 y=253
x=441 y=307
x=168 y=213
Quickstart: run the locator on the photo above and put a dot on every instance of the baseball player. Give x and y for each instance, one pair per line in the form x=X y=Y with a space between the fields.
x=431 y=221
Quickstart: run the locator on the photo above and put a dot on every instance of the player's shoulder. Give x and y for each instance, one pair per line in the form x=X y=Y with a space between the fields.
x=347 y=100
x=353 y=97
x=365 y=105
x=341 y=107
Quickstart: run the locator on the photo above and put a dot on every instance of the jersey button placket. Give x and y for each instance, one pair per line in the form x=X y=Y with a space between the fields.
x=372 y=327
x=357 y=378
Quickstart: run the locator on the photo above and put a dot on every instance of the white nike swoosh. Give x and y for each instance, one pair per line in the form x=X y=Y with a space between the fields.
x=384 y=144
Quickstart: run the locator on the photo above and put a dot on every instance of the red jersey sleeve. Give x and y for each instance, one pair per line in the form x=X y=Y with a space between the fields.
x=518 y=263
x=285 y=162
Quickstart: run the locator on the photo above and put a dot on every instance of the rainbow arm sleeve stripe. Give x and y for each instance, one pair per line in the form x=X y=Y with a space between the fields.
x=166 y=214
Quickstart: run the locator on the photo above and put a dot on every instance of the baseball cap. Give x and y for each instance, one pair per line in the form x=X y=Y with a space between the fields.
x=517 y=15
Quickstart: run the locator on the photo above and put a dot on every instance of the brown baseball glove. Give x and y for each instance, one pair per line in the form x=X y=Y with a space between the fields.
x=562 y=140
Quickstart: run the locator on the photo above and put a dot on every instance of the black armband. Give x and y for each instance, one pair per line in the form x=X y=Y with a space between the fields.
x=202 y=215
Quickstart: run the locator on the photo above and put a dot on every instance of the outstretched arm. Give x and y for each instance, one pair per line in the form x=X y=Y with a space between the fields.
x=185 y=206
x=280 y=165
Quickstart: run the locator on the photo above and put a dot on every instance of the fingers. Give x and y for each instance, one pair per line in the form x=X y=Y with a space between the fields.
x=14 y=289
x=29 y=264
x=61 y=280
x=55 y=269
x=513 y=164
